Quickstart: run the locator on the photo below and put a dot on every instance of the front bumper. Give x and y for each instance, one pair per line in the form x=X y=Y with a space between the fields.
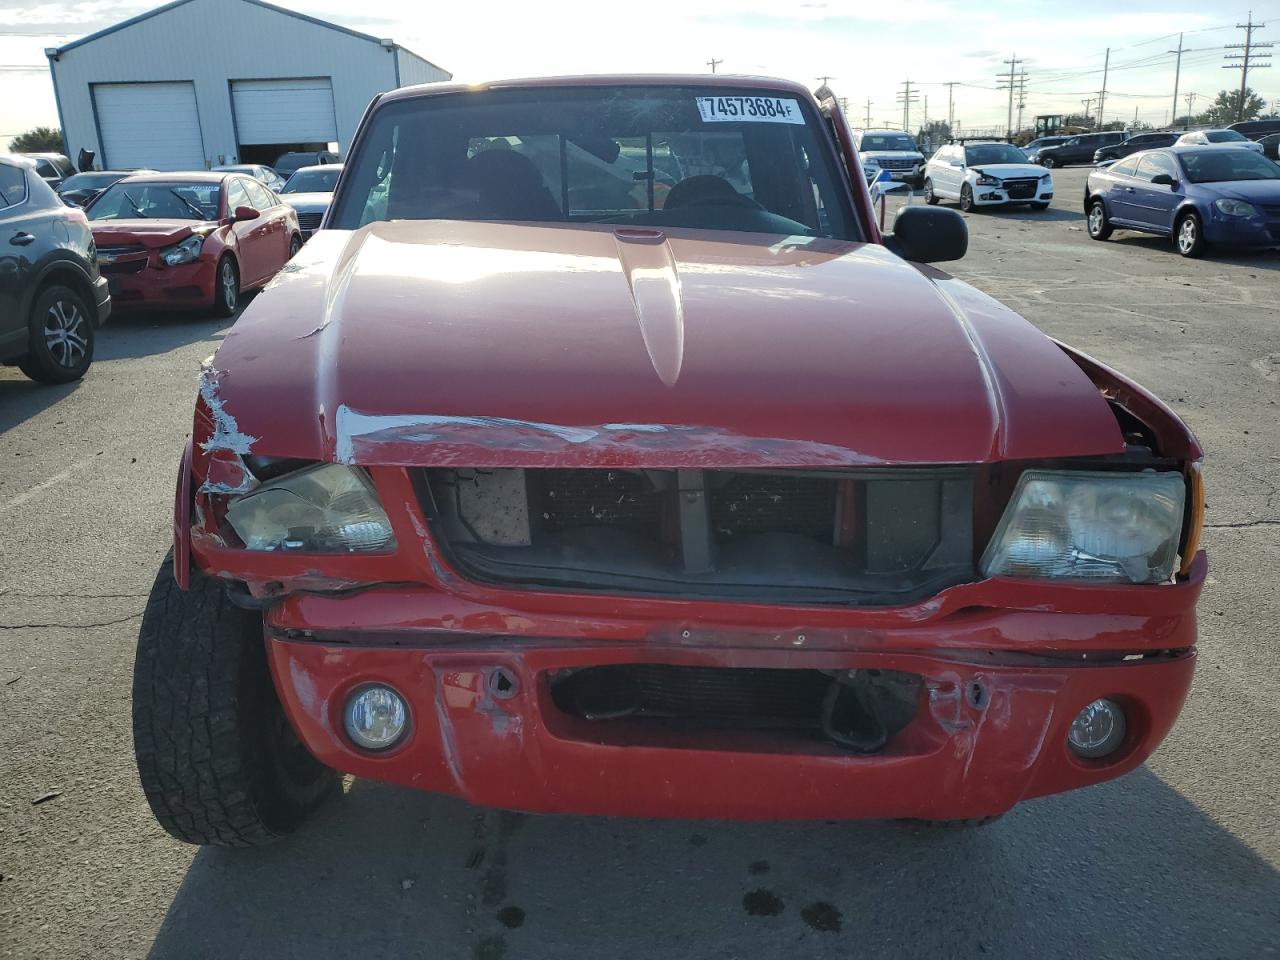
x=1242 y=231
x=1000 y=689
x=998 y=196
x=156 y=286
x=102 y=299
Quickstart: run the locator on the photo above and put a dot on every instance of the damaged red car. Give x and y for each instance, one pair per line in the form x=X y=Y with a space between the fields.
x=604 y=456
x=194 y=240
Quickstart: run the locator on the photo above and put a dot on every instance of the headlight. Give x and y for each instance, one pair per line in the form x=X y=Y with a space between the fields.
x=1236 y=208
x=1047 y=179
x=329 y=508
x=185 y=252
x=1090 y=526
x=985 y=180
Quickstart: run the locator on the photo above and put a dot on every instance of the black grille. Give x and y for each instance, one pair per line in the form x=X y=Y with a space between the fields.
x=891 y=164
x=310 y=221
x=850 y=536
x=1021 y=189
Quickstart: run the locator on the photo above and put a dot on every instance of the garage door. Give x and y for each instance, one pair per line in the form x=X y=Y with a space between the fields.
x=284 y=111
x=152 y=125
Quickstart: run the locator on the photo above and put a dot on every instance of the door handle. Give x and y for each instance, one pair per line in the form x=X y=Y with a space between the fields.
x=22 y=239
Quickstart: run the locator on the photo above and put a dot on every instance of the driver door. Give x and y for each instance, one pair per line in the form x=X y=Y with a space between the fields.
x=1154 y=203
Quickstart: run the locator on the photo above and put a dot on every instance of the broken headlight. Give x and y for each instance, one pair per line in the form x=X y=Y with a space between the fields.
x=329 y=508
x=1090 y=526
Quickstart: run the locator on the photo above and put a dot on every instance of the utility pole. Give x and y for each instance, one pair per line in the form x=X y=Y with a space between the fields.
x=1022 y=96
x=951 y=105
x=1247 y=60
x=824 y=80
x=1088 y=102
x=1009 y=81
x=1191 y=99
x=1102 y=97
x=1177 y=75
x=907 y=97
x=868 y=125
x=713 y=63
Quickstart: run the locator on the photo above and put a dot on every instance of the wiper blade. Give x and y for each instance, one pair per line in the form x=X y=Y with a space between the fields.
x=190 y=206
x=134 y=203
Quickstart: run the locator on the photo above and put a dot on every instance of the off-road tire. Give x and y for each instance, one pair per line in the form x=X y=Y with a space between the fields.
x=966 y=199
x=1195 y=247
x=218 y=761
x=225 y=299
x=1097 y=224
x=930 y=197
x=43 y=362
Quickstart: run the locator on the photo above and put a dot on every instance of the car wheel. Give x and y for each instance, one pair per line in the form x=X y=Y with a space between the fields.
x=1096 y=219
x=1039 y=206
x=1049 y=163
x=226 y=288
x=929 y=196
x=1188 y=236
x=966 y=199
x=60 y=344
x=295 y=244
x=218 y=761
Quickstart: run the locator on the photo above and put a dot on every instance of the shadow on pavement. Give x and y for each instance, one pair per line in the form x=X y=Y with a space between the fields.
x=1248 y=258
x=21 y=399
x=1129 y=869
x=134 y=335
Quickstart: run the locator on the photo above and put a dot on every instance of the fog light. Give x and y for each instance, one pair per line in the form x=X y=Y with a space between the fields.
x=1097 y=730
x=376 y=717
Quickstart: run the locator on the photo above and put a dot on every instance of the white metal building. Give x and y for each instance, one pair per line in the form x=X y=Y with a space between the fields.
x=198 y=83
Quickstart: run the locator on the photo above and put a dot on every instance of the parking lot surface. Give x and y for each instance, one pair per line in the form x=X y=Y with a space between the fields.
x=1178 y=859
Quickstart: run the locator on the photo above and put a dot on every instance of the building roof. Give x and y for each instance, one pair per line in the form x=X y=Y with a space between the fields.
x=106 y=31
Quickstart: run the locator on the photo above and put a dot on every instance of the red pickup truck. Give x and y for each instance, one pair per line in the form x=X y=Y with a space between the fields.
x=603 y=455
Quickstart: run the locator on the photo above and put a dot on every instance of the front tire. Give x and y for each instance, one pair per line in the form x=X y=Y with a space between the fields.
x=218 y=761
x=1188 y=235
x=295 y=244
x=226 y=287
x=1097 y=222
x=966 y=199
x=929 y=196
x=60 y=339
x=1049 y=163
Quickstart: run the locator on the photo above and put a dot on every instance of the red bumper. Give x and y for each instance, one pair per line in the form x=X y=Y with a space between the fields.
x=989 y=730
x=156 y=285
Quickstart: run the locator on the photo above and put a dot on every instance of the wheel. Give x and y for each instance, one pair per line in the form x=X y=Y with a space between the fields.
x=60 y=344
x=966 y=199
x=1188 y=236
x=1039 y=206
x=929 y=196
x=218 y=761
x=1096 y=220
x=1049 y=163
x=295 y=244
x=226 y=288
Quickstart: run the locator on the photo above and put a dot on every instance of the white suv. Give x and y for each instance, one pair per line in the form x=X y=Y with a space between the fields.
x=892 y=150
x=986 y=175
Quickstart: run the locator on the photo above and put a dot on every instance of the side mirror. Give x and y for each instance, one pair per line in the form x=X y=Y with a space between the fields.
x=1164 y=180
x=928 y=235
x=245 y=213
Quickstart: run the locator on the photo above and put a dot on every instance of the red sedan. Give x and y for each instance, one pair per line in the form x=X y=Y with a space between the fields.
x=190 y=239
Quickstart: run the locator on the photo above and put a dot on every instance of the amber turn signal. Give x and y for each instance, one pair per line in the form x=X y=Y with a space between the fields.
x=1195 y=523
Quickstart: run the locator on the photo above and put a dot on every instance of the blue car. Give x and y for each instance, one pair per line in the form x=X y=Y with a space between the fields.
x=1198 y=196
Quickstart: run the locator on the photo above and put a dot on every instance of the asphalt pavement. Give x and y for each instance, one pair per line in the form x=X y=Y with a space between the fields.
x=1178 y=859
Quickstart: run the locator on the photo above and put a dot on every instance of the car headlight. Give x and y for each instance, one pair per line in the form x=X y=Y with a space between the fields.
x=1047 y=179
x=1235 y=208
x=1090 y=526
x=185 y=252
x=328 y=508
x=986 y=180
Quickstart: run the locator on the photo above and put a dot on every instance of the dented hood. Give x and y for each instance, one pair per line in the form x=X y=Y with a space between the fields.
x=446 y=342
x=144 y=232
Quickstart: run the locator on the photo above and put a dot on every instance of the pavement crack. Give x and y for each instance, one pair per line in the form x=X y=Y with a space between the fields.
x=69 y=626
x=1242 y=524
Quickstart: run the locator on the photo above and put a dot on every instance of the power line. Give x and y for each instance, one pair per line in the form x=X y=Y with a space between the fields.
x=1247 y=60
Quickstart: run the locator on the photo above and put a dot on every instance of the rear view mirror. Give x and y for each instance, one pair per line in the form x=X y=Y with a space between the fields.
x=928 y=235
x=1164 y=180
x=245 y=213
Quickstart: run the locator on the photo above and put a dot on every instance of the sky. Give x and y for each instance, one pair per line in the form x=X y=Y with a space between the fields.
x=868 y=47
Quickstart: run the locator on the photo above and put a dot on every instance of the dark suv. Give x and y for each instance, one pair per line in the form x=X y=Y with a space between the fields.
x=51 y=296
x=1079 y=149
x=1141 y=141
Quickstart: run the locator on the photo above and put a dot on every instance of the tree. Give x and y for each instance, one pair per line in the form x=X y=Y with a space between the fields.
x=1226 y=108
x=38 y=140
x=935 y=134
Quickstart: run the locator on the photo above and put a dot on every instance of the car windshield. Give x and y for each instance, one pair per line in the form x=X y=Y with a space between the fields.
x=888 y=141
x=88 y=181
x=993 y=153
x=150 y=200
x=1220 y=166
x=702 y=157
x=313 y=181
x=1224 y=136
